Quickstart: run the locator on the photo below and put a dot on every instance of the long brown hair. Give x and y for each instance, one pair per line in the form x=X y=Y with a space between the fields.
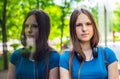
x=43 y=21
x=75 y=42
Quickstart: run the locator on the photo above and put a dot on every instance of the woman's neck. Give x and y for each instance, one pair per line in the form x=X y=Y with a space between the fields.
x=85 y=46
x=87 y=50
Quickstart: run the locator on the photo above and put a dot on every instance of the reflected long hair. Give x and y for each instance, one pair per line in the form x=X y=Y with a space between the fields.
x=42 y=47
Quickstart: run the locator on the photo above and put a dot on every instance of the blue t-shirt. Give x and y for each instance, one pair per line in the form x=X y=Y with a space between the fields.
x=26 y=69
x=93 y=69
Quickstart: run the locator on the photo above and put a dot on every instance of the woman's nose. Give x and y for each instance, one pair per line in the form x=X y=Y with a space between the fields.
x=29 y=29
x=84 y=28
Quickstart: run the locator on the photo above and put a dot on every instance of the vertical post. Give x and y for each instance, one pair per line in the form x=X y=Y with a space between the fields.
x=4 y=38
x=102 y=20
x=105 y=25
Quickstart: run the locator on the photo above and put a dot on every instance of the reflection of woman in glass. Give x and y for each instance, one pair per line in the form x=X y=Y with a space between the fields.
x=86 y=60
x=37 y=60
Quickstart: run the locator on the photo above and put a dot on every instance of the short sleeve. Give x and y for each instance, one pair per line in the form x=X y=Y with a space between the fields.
x=64 y=60
x=110 y=55
x=14 y=57
x=54 y=59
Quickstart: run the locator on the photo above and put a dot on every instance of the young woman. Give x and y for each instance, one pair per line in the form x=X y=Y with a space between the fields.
x=37 y=60
x=86 y=60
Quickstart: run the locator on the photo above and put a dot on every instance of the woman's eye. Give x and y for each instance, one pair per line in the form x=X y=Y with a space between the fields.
x=34 y=25
x=78 y=25
x=88 y=23
x=26 y=25
x=31 y=25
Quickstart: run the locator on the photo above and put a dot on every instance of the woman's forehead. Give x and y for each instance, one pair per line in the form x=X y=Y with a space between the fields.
x=31 y=20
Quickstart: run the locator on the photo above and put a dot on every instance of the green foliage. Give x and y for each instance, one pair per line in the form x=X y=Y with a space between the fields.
x=17 y=10
x=55 y=21
x=1 y=10
x=1 y=63
x=59 y=14
x=116 y=19
x=15 y=16
x=15 y=45
x=95 y=13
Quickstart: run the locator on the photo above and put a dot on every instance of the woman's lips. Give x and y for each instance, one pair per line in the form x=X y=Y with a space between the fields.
x=29 y=36
x=84 y=34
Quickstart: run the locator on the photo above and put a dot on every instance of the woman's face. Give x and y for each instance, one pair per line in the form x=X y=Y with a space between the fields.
x=84 y=28
x=31 y=27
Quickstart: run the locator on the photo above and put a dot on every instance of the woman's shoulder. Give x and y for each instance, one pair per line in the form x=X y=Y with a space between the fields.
x=16 y=52
x=65 y=56
x=64 y=59
x=15 y=56
x=54 y=55
x=109 y=54
x=66 y=53
x=105 y=49
x=54 y=59
x=54 y=52
x=108 y=51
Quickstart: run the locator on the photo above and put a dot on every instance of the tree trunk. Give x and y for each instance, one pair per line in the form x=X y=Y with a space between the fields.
x=4 y=38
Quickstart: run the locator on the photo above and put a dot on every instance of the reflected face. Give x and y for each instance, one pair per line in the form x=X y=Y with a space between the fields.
x=84 y=28
x=31 y=27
